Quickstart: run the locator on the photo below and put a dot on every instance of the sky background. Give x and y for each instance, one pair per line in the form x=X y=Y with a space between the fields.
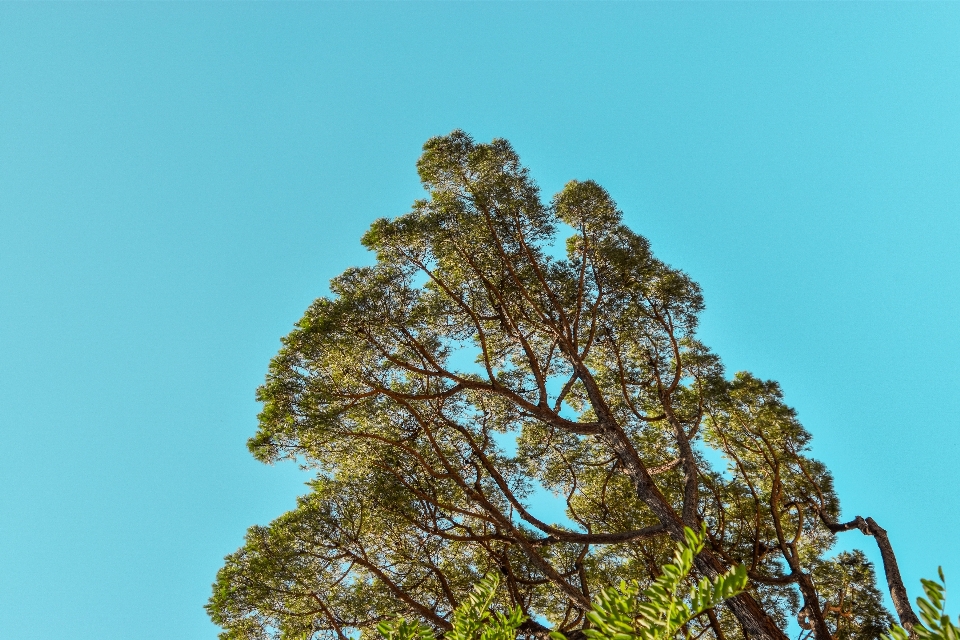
x=179 y=181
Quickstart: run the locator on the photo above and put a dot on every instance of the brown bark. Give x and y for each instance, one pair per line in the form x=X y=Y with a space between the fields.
x=715 y=625
x=898 y=593
x=811 y=602
x=756 y=624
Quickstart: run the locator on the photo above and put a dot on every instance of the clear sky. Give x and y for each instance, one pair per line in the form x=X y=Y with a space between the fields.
x=179 y=181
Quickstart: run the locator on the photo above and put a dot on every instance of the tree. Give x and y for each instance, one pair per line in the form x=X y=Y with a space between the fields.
x=478 y=361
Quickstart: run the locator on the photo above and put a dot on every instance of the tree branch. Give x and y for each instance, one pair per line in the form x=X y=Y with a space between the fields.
x=898 y=593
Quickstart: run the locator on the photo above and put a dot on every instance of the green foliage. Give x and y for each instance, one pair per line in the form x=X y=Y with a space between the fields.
x=472 y=620
x=628 y=612
x=851 y=601
x=659 y=612
x=403 y=629
x=935 y=623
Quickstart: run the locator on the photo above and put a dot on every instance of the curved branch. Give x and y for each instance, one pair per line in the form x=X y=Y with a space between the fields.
x=898 y=593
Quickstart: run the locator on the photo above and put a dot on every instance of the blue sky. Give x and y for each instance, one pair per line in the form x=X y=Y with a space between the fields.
x=179 y=181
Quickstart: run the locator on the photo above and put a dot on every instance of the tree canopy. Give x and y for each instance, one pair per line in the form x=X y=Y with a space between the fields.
x=482 y=360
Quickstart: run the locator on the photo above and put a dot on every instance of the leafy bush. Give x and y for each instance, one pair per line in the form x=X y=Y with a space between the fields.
x=659 y=612
x=626 y=612
x=472 y=620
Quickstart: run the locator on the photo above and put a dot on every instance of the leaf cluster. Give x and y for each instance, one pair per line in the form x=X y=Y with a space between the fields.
x=659 y=612
x=935 y=623
x=472 y=620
